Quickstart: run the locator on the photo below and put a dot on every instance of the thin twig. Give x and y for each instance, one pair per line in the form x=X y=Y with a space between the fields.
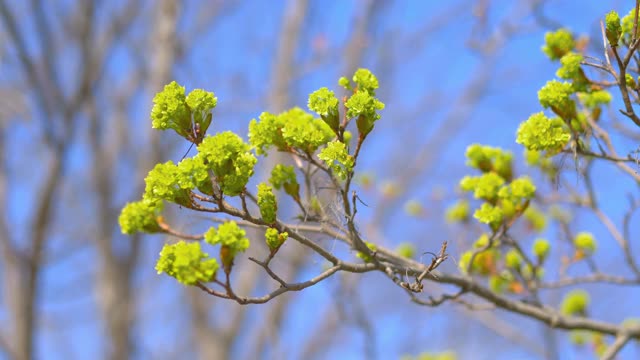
x=618 y=344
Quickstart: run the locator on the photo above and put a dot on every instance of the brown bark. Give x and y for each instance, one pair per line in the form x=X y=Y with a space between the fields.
x=114 y=283
x=23 y=265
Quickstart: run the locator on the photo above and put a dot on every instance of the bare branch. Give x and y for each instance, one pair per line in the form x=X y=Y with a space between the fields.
x=618 y=344
x=290 y=286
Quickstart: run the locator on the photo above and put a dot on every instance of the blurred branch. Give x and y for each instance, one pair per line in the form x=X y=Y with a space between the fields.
x=274 y=318
x=207 y=15
x=504 y=329
x=42 y=91
x=6 y=347
x=284 y=68
x=325 y=333
x=349 y=294
x=97 y=47
x=210 y=343
x=117 y=269
x=351 y=267
x=357 y=45
x=391 y=263
x=593 y=278
x=621 y=340
x=283 y=63
x=47 y=43
x=6 y=248
x=541 y=18
x=543 y=314
x=23 y=273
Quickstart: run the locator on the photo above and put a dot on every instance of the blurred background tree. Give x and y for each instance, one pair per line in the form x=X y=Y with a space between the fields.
x=77 y=79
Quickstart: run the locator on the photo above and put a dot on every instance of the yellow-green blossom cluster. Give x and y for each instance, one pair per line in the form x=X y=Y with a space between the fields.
x=627 y=25
x=291 y=129
x=570 y=68
x=613 y=28
x=503 y=198
x=459 y=212
x=187 y=263
x=230 y=235
x=541 y=133
x=490 y=159
x=337 y=157
x=575 y=303
x=586 y=242
x=230 y=160
x=140 y=216
x=540 y=249
x=267 y=203
x=173 y=110
x=274 y=238
x=558 y=43
x=364 y=108
x=325 y=103
x=284 y=177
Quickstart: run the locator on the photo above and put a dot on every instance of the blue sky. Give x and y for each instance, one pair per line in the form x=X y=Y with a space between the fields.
x=421 y=78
